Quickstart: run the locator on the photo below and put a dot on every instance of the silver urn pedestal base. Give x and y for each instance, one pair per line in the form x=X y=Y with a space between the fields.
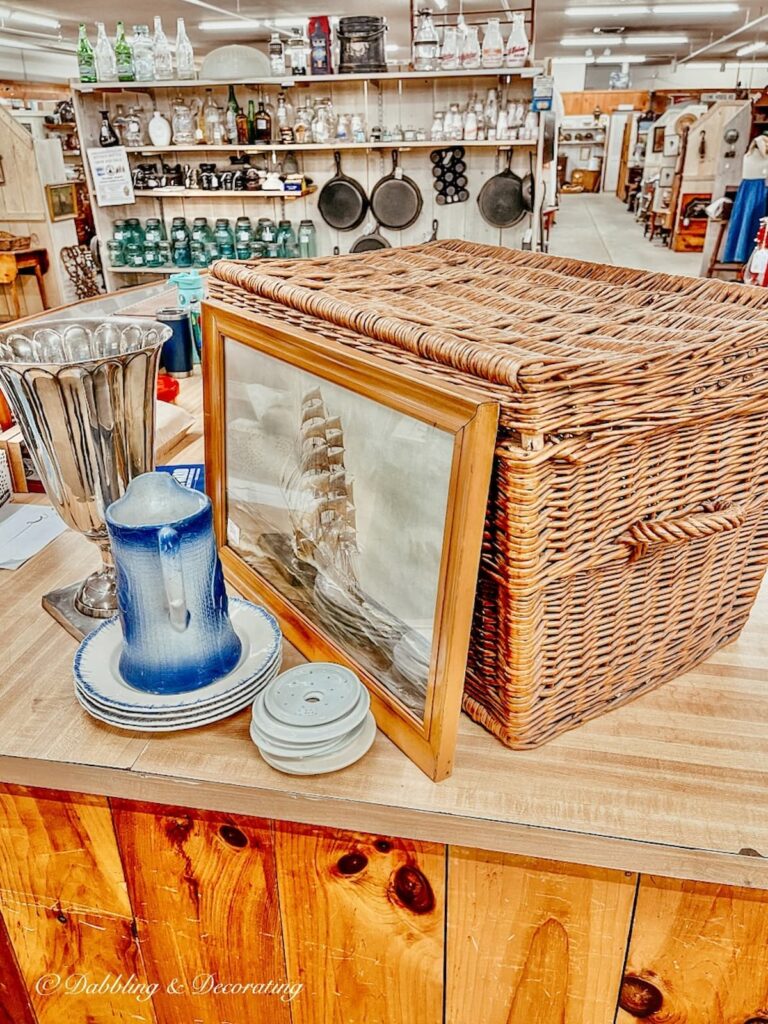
x=61 y=605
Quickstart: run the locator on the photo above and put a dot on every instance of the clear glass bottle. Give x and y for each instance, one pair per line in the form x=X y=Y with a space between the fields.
x=437 y=132
x=426 y=45
x=307 y=240
x=470 y=50
x=449 y=51
x=107 y=134
x=454 y=127
x=106 y=65
x=162 y=57
x=185 y=55
x=86 y=58
x=123 y=55
x=215 y=127
x=183 y=123
x=493 y=45
x=302 y=125
x=470 y=125
x=284 y=119
x=276 y=55
x=517 y=44
x=296 y=50
x=133 y=132
x=143 y=59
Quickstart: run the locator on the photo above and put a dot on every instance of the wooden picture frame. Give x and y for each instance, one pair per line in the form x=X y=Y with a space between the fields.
x=2 y=172
x=62 y=201
x=464 y=423
x=658 y=139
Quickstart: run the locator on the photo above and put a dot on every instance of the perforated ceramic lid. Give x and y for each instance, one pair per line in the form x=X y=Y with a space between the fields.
x=312 y=695
x=300 y=735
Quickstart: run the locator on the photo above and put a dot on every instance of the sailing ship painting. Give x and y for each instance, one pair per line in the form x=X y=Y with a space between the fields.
x=321 y=483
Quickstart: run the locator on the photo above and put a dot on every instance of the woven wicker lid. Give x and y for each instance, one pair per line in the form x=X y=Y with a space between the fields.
x=581 y=344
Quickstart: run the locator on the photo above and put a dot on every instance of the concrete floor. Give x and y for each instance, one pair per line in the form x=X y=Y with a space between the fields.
x=597 y=227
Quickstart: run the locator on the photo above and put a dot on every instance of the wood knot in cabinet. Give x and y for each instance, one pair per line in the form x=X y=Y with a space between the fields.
x=233 y=836
x=639 y=997
x=351 y=863
x=411 y=888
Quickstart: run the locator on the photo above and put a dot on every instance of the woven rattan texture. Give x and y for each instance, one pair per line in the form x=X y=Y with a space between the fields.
x=626 y=535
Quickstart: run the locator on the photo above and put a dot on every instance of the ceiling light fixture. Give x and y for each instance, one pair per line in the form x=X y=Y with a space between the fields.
x=573 y=60
x=624 y=58
x=13 y=43
x=391 y=47
x=227 y=25
x=699 y=10
x=615 y=11
x=656 y=40
x=25 y=18
x=587 y=40
x=744 y=51
x=232 y=15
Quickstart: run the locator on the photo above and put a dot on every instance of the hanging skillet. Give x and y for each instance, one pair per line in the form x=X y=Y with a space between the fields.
x=342 y=201
x=529 y=196
x=370 y=241
x=396 y=201
x=501 y=198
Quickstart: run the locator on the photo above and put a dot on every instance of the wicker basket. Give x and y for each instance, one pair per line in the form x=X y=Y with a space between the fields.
x=9 y=242
x=626 y=534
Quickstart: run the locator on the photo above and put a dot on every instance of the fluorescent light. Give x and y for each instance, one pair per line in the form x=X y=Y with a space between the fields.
x=573 y=60
x=229 y=25
x=702 y=9
x=744 y=51
x=24 y=18
x=656 y=40
x=288 y=22
x=625 y=58
x=594 y=40
x=14 y=43
x=616 y=11
x=4 y=13
x=391 y=47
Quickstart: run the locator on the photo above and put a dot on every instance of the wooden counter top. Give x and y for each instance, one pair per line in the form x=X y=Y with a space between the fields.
x=675 y=783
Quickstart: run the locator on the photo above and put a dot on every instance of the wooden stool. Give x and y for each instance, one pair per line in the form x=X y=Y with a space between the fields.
x=9 y=274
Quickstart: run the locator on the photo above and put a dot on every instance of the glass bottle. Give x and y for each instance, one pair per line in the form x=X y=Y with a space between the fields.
x=470 y=125
x=159 y=130
x=133 y=132
x=302 y=125
x=266 y=230
x=470 y=50
x=517 y=44
x=154 y=232
x=251 y=121
x=185 y=56
x=493 y=45
x=276 y=55
x=284 y=117
x=181 y=254
x=307 y=240
x=296 y=49
x=183 y=123
x=437 y=132
x=86 y=58
x=286 y=238
x=134 y=254
x=123 y=55
x=449 y=52
x=241 y=127
x=215 y=128
x=143 y=59
x=161 y=52
x=106 y=65
x=232 y=108
x=262 y=123
x=107 y=134
x=134 y=230
x=224 y=238
x=425 y=42
x=115 y=253
x=201 y=231
x=243 y=238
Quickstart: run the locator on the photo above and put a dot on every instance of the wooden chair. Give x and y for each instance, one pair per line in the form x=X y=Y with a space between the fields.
x=9 y=274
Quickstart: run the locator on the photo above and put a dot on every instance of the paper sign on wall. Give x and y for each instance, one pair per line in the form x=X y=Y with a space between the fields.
x=111 y=174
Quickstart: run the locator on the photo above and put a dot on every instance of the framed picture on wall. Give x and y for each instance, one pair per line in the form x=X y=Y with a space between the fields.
x=658 y=139
x=62 y=201
x=2 y=172
x=350 y=497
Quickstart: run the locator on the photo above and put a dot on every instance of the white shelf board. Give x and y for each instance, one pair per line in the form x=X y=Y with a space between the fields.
x=229 y=193
x=309 y=147
x=289 y=80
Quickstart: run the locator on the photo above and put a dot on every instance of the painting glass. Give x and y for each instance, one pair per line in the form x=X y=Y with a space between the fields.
x=339 y=502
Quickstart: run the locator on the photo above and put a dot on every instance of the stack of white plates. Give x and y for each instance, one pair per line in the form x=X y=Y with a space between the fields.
x=312 y=719
x=104 y=694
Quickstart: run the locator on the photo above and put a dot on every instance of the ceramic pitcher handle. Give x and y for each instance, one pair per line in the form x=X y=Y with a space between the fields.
x=169 y=544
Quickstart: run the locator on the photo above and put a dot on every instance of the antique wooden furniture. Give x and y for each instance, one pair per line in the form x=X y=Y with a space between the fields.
x=616 y=874
x=36 y=261
x=9 y=273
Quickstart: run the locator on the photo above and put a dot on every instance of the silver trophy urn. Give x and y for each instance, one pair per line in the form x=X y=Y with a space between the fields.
x=83 y=394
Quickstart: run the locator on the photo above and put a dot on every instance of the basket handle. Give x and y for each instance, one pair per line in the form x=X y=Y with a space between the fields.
x=709 y=518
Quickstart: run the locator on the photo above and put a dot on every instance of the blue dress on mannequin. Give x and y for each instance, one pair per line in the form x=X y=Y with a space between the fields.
x=750 y=204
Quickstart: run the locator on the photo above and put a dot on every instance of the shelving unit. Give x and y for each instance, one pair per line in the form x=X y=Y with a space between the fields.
x=406 y=99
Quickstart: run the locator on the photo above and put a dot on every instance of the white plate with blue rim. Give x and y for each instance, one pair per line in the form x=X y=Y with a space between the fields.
x=98 y=679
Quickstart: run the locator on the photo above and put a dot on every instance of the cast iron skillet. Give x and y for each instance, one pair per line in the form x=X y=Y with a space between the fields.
x=501 y=198
x=342 y=201
x=528 y=192
x=396 y=201
x=372 y=240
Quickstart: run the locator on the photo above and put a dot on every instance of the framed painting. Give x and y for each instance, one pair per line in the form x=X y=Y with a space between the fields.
x=62 y=201
x=658 y=139
x=349 y=497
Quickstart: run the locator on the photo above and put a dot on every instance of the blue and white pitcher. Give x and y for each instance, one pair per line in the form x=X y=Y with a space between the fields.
x=177 y=635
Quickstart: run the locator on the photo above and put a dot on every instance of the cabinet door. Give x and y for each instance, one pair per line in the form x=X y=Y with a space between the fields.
x=363 y=921
x=698 y=955
x=534 y=941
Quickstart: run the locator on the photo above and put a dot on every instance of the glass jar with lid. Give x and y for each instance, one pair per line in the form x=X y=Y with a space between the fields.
x=152 y=255
x=225 y=240
x=307 y=240
x=134 y=230
x=183 y=122
x=302 y=125
x=120 y=232
x=286 y=237
x=134 y=254
x=201 y=230
x=165 y=252
x=182 y=253
x=266 y=230
x=154 y=230
x=115 y=254
x=180 y=230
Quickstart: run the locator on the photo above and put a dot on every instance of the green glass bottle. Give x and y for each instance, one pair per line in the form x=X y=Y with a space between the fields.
x=86 y=58
x=232 y=108
x=251 y=121
x=123 y=56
